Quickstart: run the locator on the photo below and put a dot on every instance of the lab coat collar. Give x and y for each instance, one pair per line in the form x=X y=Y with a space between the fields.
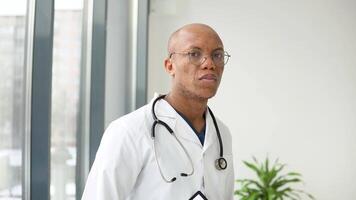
x=163 y=108
x=165 y=112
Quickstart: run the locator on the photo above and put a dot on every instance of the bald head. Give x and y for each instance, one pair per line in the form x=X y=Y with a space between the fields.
x=193 y=62
x=191 y=30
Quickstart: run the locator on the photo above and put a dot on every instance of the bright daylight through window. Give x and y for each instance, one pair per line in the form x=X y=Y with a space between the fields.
x=12 y=103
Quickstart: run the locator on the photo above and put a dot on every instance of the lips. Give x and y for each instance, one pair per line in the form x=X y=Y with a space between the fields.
x=210 y=77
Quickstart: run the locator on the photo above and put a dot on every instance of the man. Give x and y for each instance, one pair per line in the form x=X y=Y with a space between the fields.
x=172 y=148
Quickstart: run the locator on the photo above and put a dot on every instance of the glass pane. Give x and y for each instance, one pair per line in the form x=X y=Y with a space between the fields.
x=12 y=99
x=65 y=97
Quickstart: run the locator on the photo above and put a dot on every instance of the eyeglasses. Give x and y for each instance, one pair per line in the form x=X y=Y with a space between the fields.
x=196 y=57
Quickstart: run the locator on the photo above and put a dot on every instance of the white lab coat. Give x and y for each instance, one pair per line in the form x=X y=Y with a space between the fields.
x=125 y=165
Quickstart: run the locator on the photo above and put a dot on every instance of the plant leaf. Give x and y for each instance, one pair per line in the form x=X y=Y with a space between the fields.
x=253 y=167
x=270 y=183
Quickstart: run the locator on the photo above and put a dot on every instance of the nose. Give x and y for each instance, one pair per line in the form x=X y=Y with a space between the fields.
x=208 y=63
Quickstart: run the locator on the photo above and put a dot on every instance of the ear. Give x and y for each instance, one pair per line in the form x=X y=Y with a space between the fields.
x=168 y=65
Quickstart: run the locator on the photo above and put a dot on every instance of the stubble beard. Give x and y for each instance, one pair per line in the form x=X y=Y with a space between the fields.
x=186 y=92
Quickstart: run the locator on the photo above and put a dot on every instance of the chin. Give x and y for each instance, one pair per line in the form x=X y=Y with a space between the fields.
x=199 y=93
x=207 y=94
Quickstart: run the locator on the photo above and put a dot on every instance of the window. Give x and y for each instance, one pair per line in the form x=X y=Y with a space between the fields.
x=65 y=97
x=12 y=103
x=70 y=112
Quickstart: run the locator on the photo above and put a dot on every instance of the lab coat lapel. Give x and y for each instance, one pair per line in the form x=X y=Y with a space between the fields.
x=184 y=131
x=165 y=112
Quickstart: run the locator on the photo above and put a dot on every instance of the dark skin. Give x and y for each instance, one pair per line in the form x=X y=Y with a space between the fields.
x=192 y=85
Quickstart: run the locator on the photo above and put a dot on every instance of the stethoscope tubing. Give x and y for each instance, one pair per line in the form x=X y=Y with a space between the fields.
x=220 y=163
x=217 y=133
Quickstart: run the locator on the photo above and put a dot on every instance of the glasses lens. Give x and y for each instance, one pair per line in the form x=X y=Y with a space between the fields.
x=195 y=57
x=218 y=57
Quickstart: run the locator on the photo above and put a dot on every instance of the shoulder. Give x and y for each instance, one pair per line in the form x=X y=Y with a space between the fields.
x=223 y=126
x=129 y=129
x=224 y=129
x=124 y=136
x=131 y=124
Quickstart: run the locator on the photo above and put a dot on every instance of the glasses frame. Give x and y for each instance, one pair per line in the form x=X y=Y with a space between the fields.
x=204 y=58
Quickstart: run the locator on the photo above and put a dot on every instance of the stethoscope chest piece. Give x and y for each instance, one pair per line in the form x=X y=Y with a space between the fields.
x=220 y=163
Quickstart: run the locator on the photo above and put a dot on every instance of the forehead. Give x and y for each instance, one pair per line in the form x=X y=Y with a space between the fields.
x=197 y=37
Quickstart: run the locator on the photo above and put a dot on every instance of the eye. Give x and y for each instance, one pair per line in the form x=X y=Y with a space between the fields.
x=194 y=54
x=218 y=55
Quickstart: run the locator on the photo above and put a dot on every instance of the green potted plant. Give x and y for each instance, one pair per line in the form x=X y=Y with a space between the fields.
x=270 y=184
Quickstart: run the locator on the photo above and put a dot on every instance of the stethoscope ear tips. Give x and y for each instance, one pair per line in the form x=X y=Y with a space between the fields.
x=173 y=179
x=220 y=163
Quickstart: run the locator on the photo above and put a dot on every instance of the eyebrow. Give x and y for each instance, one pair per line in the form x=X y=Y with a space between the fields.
x=198 y=48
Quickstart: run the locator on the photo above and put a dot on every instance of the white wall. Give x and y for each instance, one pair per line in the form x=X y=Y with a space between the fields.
x=289 y=89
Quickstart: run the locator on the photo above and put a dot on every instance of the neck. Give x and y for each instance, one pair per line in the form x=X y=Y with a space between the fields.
x=191 y=108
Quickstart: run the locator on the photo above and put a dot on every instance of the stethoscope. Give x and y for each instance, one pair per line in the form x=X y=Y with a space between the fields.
x=220 y=163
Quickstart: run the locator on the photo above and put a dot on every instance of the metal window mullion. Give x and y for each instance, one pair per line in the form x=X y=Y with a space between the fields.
x=40 y=126
x=26 y=151
x=97 y=79
x=142 y=44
